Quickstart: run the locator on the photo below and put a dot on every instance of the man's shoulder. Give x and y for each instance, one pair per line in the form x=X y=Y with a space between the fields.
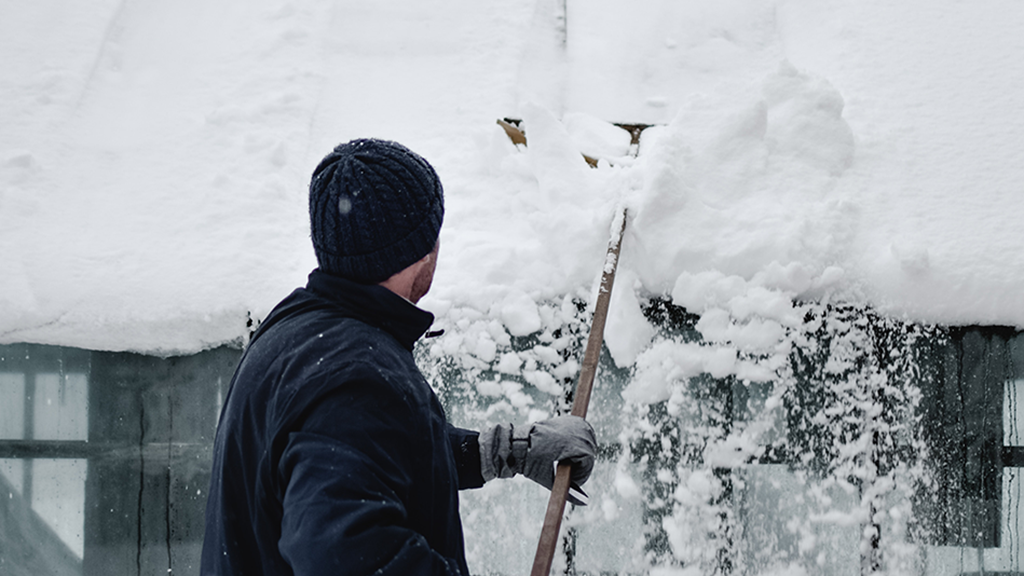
x=320 y=346
x=306 y=319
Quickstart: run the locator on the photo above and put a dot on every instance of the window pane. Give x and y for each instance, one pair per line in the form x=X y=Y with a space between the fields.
x=12 y=405
x=61 y=407
x=58 y=497
x=13 y=472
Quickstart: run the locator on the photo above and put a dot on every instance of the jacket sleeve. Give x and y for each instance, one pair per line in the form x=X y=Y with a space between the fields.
x=466 y=448
x=344 y=473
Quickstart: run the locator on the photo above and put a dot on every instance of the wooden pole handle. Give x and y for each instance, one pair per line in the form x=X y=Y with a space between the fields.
x=581 y=400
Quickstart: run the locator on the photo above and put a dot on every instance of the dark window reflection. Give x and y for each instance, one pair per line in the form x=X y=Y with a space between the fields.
x=104 y=458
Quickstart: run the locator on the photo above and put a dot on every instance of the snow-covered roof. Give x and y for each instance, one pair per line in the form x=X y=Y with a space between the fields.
x=154 y=158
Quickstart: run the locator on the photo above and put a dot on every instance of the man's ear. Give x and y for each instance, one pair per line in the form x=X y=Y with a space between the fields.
x=413 y=282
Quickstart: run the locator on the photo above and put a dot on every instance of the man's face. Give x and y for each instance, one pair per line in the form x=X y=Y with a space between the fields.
x=421 y=283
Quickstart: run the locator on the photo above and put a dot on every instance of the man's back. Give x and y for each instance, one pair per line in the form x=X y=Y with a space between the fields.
x=333 y=454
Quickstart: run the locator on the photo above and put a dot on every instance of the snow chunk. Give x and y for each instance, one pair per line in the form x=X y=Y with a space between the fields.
x=765 y=304
x=794 y=278
x=720 y=362
x=543 y=381
x=519 y=314
x=756 y=335
x=627 y=331
x=513 y=391
x=484 y=348
x=715 y=325
x=696 y=292
x=489 y=388
x=595 y=137
x=509 y=363
x=806 y=122
x=547 y=354
x=658 y=366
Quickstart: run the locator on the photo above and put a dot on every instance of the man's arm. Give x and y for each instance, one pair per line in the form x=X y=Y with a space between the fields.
x=345 y=475
x=543 y=443
x=466 y=449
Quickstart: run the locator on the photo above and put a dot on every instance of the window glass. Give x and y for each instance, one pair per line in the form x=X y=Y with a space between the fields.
x=12 y=405
x=58 y=497
x=61 y=407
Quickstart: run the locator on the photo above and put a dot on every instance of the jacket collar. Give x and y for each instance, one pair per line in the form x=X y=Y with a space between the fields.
x=374 y=305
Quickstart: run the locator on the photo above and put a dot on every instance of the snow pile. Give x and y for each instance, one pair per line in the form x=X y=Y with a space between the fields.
x=736 y=188
x=745 y=191
x=754 y=322
x=154 y=159
x=152 y=187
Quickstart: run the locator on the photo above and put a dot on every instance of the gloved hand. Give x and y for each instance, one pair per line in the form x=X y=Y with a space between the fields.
x=533 y=450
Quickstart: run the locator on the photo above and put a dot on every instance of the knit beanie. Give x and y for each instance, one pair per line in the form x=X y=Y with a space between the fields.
x=375 y=207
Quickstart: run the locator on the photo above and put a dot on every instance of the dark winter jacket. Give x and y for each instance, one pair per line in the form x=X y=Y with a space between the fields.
x=333 y=455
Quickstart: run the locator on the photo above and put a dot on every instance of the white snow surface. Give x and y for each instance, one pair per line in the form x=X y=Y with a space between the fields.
x=154 y=159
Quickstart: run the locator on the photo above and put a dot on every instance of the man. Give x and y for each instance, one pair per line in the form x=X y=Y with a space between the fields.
x=333 y=455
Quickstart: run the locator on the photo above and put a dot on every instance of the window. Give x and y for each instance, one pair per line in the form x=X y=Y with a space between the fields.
x=105 y=458
x=892 y=445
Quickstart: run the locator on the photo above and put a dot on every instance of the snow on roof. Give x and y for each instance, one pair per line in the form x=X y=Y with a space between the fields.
x=154 y=158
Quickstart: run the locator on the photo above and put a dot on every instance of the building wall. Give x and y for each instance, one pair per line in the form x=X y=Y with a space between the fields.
x=105 y=464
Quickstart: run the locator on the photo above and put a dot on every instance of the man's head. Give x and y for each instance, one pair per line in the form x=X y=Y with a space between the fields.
x=375 y=208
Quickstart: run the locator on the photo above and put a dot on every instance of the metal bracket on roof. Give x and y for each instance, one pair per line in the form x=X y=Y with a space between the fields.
x=513 y=128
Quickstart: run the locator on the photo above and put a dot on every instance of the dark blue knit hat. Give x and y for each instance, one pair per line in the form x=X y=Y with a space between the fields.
x=375 y=207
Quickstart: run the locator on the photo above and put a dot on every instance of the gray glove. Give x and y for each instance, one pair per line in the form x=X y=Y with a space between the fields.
x=534 y=449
